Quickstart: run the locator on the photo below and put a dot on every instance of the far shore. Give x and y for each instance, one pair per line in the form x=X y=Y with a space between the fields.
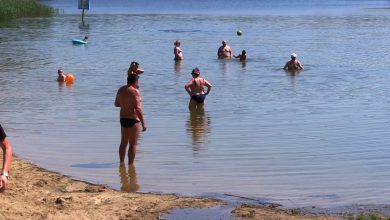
x=35 y=193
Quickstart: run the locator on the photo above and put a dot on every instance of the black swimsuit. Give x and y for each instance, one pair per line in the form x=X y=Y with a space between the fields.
x=128 y=122
x=199 y=98
x=2 y=134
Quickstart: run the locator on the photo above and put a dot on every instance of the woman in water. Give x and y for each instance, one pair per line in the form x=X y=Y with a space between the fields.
x=195 y=88
x=134 y=69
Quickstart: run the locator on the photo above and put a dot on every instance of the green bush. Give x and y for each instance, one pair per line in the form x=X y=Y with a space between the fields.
x=10 y=9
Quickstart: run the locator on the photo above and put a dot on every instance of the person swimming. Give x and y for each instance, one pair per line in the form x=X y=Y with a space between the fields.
x=195 y=88
x=242 y=56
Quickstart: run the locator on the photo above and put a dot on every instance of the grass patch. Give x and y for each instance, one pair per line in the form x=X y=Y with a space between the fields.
x=10 y=9
x=368 y=217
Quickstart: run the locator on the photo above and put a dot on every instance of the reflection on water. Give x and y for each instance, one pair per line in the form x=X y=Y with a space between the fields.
x=223 y=63
x=243 y=65
x=198 y=126
x=128 y=178
x=178 y=66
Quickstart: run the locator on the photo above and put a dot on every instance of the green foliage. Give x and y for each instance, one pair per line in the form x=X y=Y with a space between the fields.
x=10 y=9
x=368 y=217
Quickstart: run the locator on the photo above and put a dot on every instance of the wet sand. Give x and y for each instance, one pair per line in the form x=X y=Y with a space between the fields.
x=35 y=193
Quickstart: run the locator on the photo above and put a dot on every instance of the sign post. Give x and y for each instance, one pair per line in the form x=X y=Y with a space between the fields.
x=84 y=5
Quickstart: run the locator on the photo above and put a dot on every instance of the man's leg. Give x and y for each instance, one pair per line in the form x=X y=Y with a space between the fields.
x=123 y=145
x=133 y=142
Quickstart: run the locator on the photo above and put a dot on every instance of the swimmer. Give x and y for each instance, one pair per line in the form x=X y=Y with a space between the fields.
x=195 y=88
x=177 y=51
x=224 y=51
x=293 y=64
x=85 y=38
x=61 y=76
x=134 y=68
x=128 y=99
x=242 y=56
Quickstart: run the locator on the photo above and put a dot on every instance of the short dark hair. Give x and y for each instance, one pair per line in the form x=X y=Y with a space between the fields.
x=132 y=78
x=134 y=63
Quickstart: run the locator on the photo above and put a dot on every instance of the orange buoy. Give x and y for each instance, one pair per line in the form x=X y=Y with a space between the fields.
x=69 y=78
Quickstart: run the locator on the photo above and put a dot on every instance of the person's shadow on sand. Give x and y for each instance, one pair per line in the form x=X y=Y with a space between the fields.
x=128 y=178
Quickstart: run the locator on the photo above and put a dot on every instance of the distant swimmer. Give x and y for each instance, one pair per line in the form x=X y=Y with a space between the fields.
x=293 y=64
x=85 y=38
x=61 y=75
x=7 y=157
x=242 y=56
x=177 y=51
x=195 y=88
x=224 y=51
x=134 y=68
x=128 y=98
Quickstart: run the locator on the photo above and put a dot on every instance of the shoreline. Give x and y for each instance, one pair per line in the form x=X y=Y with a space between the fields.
x=36 y=193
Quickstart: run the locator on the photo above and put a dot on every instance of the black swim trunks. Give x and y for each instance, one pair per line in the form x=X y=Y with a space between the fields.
x=2 y=134
x=128 y=122
x=199 y=98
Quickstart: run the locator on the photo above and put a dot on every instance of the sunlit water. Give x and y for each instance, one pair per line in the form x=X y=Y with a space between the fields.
x=317 y=138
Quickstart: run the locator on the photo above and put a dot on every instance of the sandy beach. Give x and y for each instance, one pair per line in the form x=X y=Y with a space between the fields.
x=35 y=193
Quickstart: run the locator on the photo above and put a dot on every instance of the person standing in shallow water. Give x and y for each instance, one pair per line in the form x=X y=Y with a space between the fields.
x=7 y=157
x=293 y=64
x=195 y=88
x=61 y=76
x=134 y=68
x=224 y=51
x=177 y=51
x=128 y=98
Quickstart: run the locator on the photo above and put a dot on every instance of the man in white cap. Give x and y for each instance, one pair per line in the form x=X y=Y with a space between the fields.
x=293 y=64
x=224 y=51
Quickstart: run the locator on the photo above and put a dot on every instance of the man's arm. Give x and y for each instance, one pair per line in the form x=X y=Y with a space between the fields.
x=209 y=86
x=187 y=87
x=300 y=65
x=117 y=101
x=285 y=66
x=138 y=110
x=220 y=52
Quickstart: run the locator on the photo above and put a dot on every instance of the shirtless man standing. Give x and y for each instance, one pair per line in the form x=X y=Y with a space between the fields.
x=7 y=157
x=128 y=99
x=195 y=88
x=224 y=51
x=177 y=51
x=293 y=64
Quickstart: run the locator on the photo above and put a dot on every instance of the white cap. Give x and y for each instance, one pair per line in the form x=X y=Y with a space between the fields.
x=294 y=55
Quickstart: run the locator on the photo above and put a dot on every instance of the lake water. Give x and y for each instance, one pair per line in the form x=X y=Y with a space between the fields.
x=320 y=137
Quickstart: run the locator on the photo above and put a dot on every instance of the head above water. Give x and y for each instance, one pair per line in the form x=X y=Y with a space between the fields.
x=293 y=55
x=60 y=71
x=132 y=78
x=243 y=52
x=195 y=72
x=224 y=42
x=177 y=43
x=134 y=64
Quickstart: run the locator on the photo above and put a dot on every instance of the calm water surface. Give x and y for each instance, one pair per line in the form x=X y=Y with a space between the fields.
x=320 y=137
